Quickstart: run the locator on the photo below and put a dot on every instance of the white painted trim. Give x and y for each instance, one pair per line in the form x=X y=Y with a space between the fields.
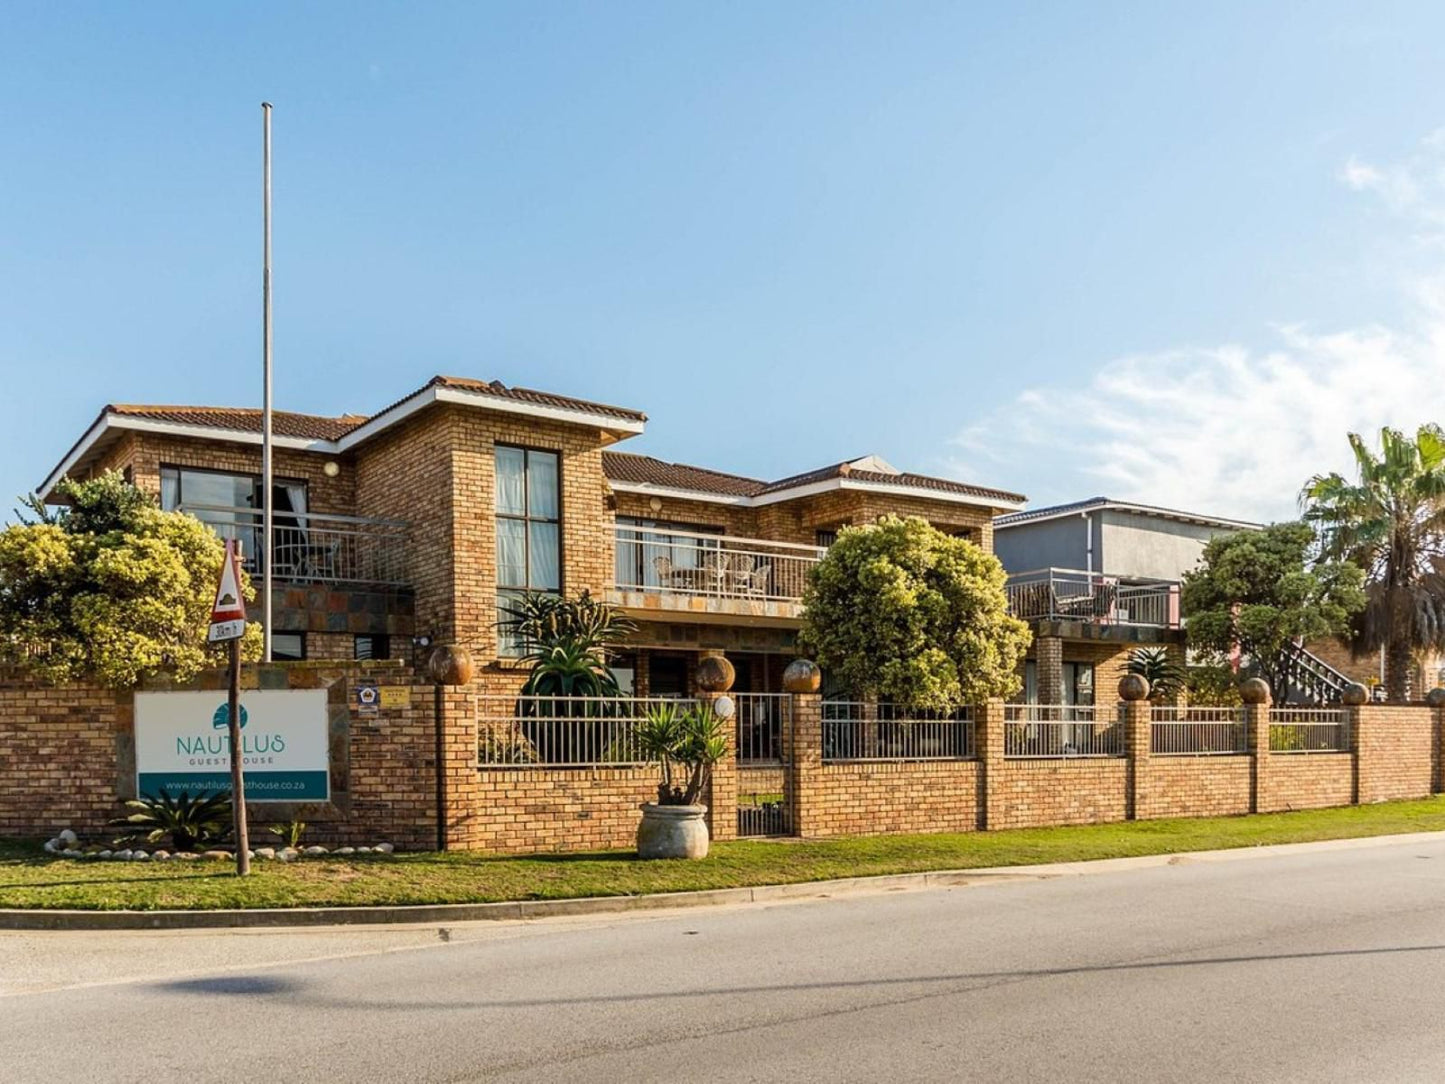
x=440 y=393
x=812 y=489
x=648 y=490
x=1125 y=506
x=112 y=420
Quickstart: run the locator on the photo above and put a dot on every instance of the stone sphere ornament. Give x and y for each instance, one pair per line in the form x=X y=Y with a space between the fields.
x=1133 y=687
x=1355 y=694
x=1254 y=691
x=1435 y=698
x=450 y=664
x=715 y=674
x=802 y=676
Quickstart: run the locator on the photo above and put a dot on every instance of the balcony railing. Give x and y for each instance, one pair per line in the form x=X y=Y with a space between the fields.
x=1063 y=594
x=311 y=547
x=657 y=561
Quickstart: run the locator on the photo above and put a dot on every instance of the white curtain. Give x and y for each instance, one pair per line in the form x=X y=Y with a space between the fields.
x=296 y=494
x=170 y=490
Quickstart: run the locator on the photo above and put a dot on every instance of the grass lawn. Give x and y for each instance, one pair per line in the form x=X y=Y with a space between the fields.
x=31 y=878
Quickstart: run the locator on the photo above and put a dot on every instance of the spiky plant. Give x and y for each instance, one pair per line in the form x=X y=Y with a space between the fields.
x=685 y=742
x=1164 y=675
x=189 y=821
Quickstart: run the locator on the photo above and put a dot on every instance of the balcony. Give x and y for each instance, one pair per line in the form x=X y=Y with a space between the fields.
x=709 y=575
x=314 y=548
x=1088 y=598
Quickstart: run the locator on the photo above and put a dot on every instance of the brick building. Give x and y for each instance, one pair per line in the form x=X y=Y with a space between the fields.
x=421 y=520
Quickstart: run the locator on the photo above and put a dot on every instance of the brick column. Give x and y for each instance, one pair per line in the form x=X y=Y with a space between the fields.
x=1138 y=747
x=1364 y=763
x=1256 y=722
x=988 y=724
x=1440 y=748
x=804 y=770
x=1049 y=663
x=722 y=796
x=459 y=741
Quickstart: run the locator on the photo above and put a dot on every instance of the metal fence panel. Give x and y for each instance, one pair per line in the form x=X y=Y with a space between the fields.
x=1195 y=732
x=855 y=730
x=1308 y=730
x=563 y=731
x=1061 y=731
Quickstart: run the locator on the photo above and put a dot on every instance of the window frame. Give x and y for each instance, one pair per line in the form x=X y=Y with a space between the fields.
x=505 y=649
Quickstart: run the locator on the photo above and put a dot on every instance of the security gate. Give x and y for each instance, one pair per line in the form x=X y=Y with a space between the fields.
x=765 y=745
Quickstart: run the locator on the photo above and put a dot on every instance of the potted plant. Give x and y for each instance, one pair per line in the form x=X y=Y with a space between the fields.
x=685 y=742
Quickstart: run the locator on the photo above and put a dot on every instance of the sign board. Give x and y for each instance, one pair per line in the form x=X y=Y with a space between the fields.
x=395 y=696
x=228 y=612
x=367 y=698
x=181 y=744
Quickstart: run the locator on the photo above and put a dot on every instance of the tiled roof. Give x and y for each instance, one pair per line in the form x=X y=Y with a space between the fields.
x=536 y=398
x=284 y=423
x=644 y=470
x=903 y=479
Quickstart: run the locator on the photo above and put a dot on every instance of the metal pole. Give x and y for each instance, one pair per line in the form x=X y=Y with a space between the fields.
x=238 y=781
x=266 y=495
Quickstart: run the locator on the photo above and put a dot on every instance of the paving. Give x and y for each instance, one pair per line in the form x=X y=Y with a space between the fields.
x=1296 y=965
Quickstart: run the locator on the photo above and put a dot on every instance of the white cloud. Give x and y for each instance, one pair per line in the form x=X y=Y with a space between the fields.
x=1235 y=430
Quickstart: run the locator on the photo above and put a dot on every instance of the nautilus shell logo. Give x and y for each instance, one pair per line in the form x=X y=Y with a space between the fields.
x=222 y=718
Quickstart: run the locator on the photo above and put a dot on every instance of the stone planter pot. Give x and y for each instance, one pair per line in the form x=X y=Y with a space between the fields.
x=672 y=831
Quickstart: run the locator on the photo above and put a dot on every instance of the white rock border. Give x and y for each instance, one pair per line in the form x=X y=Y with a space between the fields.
x=66 y=844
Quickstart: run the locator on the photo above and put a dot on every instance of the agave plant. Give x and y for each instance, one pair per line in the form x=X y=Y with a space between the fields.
x=686 y=743
x=190 y=822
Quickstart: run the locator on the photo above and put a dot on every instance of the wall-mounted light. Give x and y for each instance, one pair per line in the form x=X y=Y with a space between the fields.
x=655 y=503
x=331 y=468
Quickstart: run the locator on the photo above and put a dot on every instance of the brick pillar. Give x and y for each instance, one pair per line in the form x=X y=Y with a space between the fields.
x=988 y=732
x=1050 y=666
x=1362 y=754
x=459 y=742
x=1440 y=749
x=722 y=796
x=1138 y=747
x=804 y=770
x=1256 y=722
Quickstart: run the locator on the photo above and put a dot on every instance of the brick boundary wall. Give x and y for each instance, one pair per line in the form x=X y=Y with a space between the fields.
x=67 y=759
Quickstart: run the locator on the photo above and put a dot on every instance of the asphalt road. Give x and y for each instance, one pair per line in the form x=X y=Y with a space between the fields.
x=1308 y=967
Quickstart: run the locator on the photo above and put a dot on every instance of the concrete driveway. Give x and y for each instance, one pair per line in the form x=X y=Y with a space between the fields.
x=1309 y=966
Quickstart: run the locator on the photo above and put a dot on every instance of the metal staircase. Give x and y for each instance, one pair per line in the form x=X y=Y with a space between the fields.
x=1310 y=679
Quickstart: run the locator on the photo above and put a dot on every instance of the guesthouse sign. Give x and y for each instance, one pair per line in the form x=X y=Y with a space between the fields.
x=181 y=744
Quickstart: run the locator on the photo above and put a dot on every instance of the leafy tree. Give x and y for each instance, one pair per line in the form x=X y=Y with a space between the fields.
x=1258 y=590
x=1391 y=523
x=902 y=610
x=1164 y=675
x=110 y=588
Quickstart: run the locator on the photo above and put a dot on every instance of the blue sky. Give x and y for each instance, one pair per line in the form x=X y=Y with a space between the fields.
x=1162 y=251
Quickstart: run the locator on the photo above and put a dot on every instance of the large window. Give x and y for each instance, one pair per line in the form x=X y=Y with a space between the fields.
x=1078 y=690
x=529 y=528
x=232 y=505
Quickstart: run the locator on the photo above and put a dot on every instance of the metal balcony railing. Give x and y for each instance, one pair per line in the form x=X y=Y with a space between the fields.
x=1065 y=594
x=311 y=547
x=690 y=563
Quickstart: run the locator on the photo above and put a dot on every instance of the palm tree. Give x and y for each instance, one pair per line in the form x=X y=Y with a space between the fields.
x=1391 y=522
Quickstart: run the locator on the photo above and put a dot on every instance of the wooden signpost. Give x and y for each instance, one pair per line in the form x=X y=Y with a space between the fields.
x=228 y=624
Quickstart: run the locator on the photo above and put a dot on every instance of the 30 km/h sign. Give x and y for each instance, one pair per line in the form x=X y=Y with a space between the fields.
x=228 y=613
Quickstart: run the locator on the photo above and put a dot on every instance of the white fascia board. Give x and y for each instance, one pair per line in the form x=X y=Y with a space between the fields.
x=828 y=484
x=441 y=394
x=109 y=421
x=647 y=490
x=1139 y=509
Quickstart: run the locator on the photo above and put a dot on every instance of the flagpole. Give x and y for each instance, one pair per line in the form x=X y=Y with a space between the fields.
x=267 y=497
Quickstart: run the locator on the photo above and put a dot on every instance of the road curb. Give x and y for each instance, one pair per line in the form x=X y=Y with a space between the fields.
x=519 y=910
